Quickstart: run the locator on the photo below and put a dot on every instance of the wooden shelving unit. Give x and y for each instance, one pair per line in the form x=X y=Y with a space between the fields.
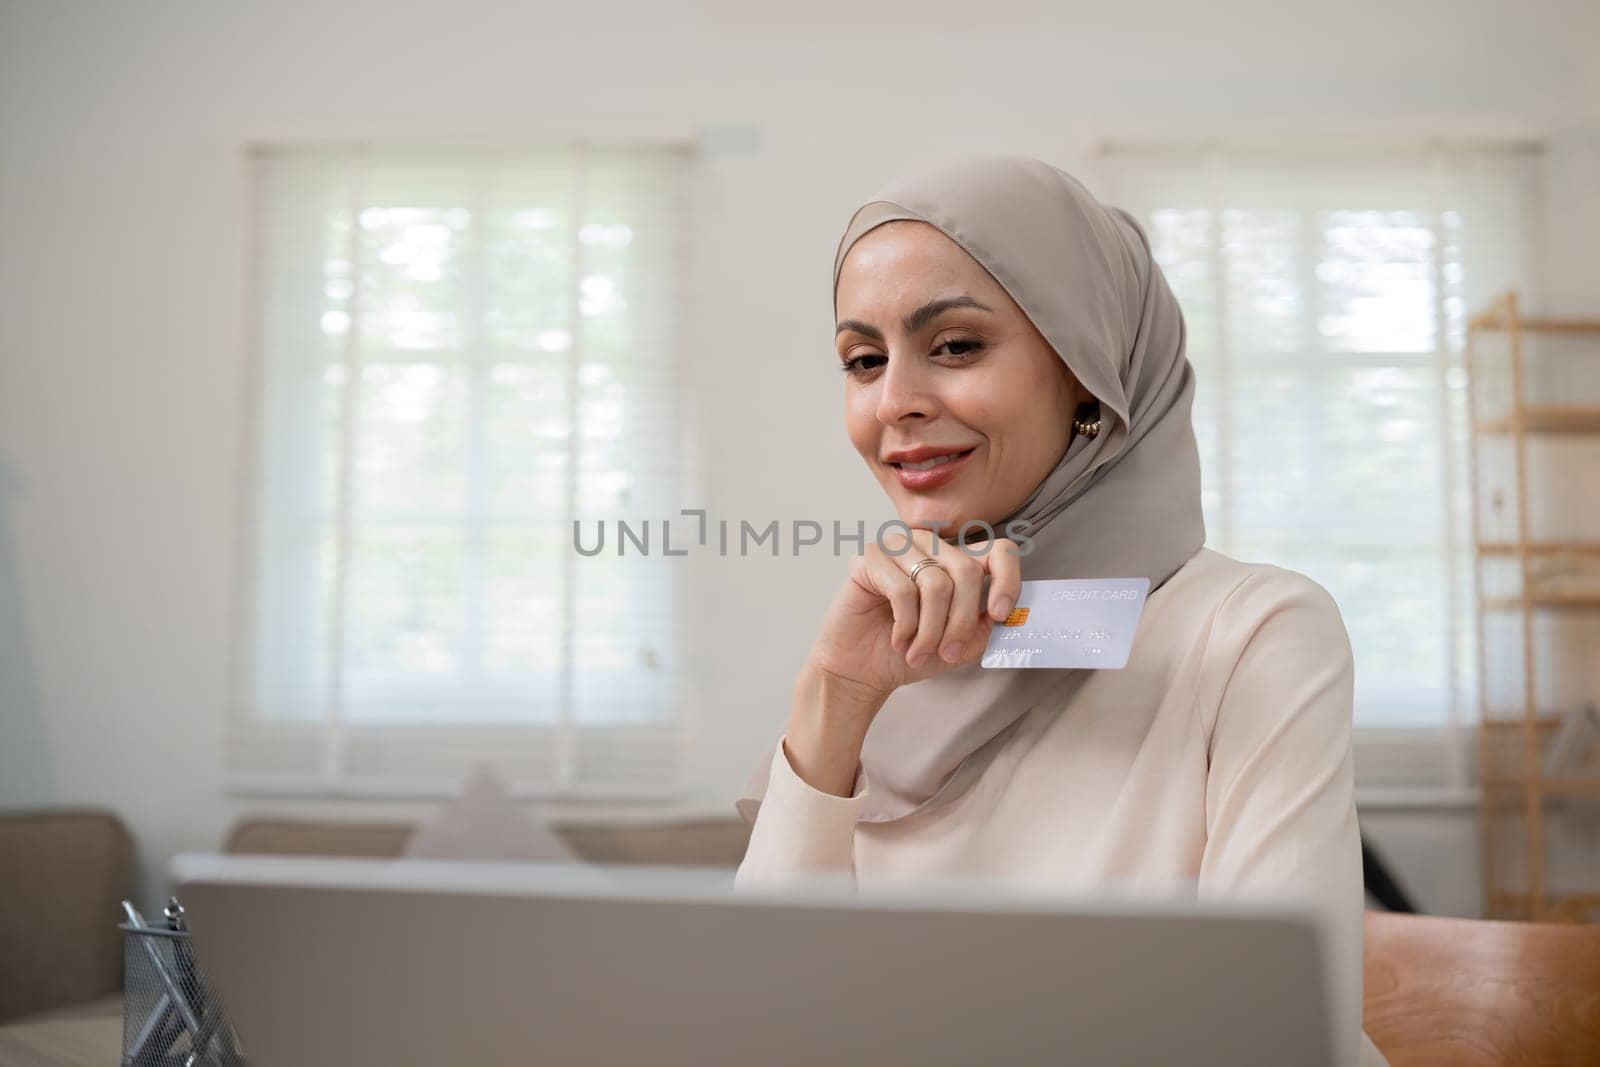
x=1523 y=789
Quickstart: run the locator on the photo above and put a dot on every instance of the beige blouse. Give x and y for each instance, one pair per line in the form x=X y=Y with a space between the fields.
x=1220 y=754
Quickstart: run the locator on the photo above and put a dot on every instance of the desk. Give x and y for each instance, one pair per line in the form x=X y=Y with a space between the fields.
x=85 y=1036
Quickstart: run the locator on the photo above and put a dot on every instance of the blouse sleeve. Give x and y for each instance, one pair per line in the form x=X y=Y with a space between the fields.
x=1280 y=792
x=800 y=829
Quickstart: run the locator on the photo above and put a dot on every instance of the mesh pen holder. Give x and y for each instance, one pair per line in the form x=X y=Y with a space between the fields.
x=170 y=1016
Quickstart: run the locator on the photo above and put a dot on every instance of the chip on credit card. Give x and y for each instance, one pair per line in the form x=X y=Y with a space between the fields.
x=1069 y=622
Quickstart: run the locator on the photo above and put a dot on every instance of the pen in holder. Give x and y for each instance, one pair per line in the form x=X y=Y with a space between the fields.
x=170 y=1016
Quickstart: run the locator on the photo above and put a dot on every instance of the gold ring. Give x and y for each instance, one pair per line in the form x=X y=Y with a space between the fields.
x=928 y=562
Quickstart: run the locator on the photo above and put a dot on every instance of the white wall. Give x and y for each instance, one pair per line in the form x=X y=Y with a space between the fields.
x=122 y=316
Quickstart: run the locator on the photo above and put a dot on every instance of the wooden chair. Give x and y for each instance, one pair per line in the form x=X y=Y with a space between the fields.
x=1471 y=992
x=62 y=874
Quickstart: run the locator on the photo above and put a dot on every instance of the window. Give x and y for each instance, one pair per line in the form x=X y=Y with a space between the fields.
x=1326 y=295
x=460 y=352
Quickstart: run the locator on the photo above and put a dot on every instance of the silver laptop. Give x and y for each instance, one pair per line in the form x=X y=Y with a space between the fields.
x=363 y=963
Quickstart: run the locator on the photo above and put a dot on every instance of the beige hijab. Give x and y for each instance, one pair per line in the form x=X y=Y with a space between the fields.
x=1124 y=504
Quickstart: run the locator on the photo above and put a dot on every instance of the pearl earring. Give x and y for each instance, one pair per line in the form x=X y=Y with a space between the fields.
x=1086 y=423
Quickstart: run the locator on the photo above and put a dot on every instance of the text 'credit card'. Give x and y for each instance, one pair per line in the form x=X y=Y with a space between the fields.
x=1069 y=622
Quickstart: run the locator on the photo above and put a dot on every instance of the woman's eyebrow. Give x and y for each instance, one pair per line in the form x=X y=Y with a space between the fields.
x=914 y=321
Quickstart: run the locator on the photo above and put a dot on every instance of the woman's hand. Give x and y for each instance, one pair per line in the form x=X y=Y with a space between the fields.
x=883 y=631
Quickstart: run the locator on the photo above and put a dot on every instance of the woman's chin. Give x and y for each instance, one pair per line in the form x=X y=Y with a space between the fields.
x=947 y=521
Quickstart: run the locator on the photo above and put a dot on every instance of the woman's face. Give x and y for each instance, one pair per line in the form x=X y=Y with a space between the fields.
x=941 y=365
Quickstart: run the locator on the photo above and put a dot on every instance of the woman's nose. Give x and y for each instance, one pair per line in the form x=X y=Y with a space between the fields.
x=907 y=391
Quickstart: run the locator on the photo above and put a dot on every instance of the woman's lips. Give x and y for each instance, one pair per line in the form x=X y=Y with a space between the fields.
x=933 y=477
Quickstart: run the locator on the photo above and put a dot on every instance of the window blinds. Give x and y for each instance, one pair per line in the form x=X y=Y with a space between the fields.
x=1326 y=293
x=460 y=352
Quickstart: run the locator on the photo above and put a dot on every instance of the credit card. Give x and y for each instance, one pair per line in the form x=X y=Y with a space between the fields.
x=1069 y=622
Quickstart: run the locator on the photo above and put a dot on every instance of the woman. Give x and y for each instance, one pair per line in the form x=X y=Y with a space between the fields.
x=1012 y=354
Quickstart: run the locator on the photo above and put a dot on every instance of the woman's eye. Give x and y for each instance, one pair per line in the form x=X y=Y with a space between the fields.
x=863 y=364
x=959 y=348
